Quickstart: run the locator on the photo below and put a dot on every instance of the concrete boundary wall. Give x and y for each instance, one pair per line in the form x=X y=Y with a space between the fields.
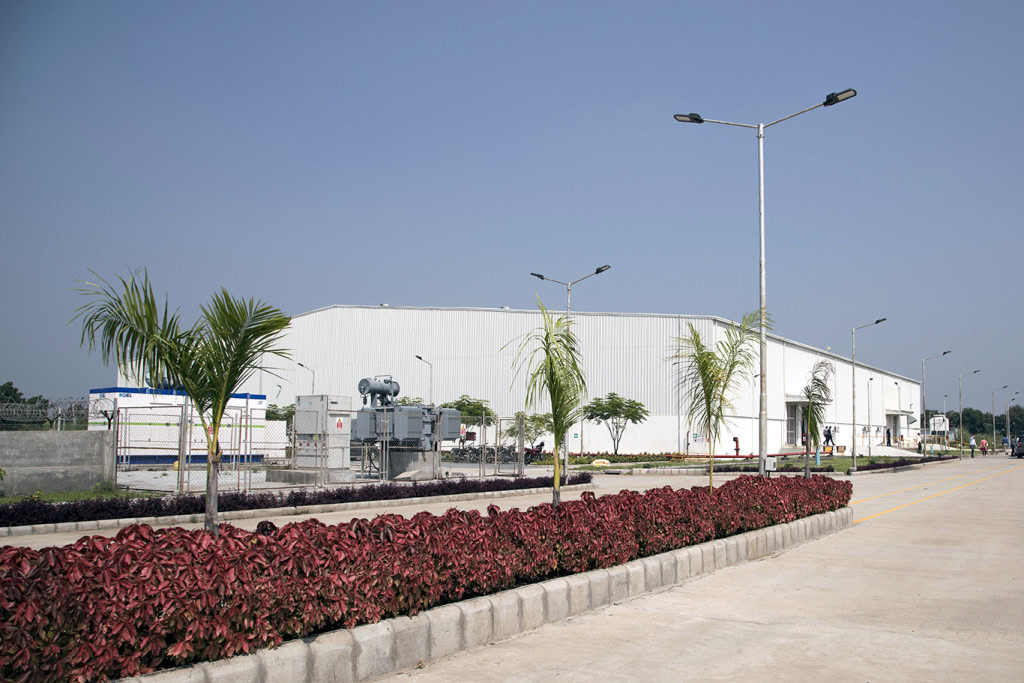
x=56 y=461
x=197 y=518
x=401 y=643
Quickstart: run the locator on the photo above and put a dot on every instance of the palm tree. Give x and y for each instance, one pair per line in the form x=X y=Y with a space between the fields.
x=818 y=395
x=711 y=374
x=209 y=360
x=551 y=356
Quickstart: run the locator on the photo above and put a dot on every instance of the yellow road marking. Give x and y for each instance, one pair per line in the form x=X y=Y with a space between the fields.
x=936 y=495
x=920 y=486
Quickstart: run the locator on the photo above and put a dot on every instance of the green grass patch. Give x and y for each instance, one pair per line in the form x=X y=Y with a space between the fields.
x=98 y=492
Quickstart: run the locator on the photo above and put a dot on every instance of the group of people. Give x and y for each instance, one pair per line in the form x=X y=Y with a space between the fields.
x=984 y=446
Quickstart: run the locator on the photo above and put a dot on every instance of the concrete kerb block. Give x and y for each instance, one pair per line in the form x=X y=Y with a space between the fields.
x=79 y=526
x=412 y=641
x=505 y=608
x=60 y=527
x=618 y=584
x=721 y=555
x=599 y=588
x=579 y=593
x=236 y=670
x=741 y=548
x=777 y=538
x=556 y=600
x=787 y=540
x=696 y=560
x=751 y=539
x=43 y=528
x=25 y=530
x=707 y=551
x=477 y=622
x=289 y=662
x=112 y=523
x=188 y=674
x=445 y=630
x=668 y=569
x=531 y=601
x=637 y=584
x=374 y=650
x=682 y=558
x=331 y=659
x=6 y=530
x=732 y=551
x=652 y=573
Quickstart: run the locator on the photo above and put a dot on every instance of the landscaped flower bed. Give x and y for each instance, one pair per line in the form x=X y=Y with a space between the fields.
x=902 y=462
x=145 y=599
x=35 y=512
x=786 y=467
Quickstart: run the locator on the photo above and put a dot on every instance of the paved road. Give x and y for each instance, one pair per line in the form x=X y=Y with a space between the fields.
x=928 y=584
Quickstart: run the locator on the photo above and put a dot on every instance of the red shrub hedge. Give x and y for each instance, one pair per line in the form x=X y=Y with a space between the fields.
x=145 y=599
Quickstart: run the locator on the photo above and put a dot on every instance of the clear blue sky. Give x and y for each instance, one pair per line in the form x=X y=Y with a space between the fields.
x=436 y=153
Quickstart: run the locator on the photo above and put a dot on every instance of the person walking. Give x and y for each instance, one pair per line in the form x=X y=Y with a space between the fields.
x=984 y=446
x=828 y=438
x=974 y=444
x=888 y=437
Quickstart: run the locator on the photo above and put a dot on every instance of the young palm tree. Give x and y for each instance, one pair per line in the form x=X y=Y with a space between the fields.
x=818 y=395
x=712 y=373
x=209 y=360
x=551 y=356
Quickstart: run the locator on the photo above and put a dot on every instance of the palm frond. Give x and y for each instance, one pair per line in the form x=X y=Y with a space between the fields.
x=818 y=395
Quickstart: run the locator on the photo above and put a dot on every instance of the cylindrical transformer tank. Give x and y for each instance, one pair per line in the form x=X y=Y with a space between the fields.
x=378 y=387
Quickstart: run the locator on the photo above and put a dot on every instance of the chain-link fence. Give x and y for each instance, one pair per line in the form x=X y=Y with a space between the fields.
x=61 y=414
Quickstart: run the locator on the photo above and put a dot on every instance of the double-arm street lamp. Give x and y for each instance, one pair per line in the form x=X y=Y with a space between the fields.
x=312 y=388
x=1005 y=386
x=431 y=377
x=924 y=409
x=853 y=436
x=960 y=433
x=568 y=310
x=830 y=99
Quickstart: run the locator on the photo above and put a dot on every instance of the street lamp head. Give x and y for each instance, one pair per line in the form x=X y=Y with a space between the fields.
x=601 y=269
x=537 y=275
x=1005 y=386
x=880 y=320
x=420 y=357
x=945 y=352
x=976 y=372
x=837 y=97
x=689 y=118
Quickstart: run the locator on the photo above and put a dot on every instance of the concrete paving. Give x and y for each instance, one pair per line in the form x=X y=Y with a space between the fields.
x=927 y=585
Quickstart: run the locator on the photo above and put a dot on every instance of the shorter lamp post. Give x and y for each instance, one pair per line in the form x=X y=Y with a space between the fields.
x=853 y=384
x=924 y=402
x=568 y=313
x=312 y=387
x=960 y=432
x=870 y=435
x=431 y=365
x=1005 y=386
x=1009 y=439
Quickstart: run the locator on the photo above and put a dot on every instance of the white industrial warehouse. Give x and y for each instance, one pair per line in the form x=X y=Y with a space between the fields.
x=472 y=351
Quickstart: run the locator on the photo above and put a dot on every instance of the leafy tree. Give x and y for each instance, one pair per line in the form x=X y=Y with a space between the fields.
x=616 y=412
x=551 y=356
x=285 y=413
x=818 y=395
x=474 y=411
x=534 y=426
x=409 y=401
x=209 y=360
x=10 y=393
x=711 y=374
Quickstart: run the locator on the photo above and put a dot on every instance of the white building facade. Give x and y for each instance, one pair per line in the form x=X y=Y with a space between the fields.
x=473 y=351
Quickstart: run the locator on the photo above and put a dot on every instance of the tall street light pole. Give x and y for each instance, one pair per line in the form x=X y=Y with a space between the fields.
x=960 y=432
x=568 y=312
x=1005 y=386
x=830 y=99
x=312 y=388
x=853 y=436
x=431 y=377
x=870 y=437
x=924 y=409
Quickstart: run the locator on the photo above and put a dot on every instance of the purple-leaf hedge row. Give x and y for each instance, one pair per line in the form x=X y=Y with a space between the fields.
x=145 y=600
x=27 y=512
